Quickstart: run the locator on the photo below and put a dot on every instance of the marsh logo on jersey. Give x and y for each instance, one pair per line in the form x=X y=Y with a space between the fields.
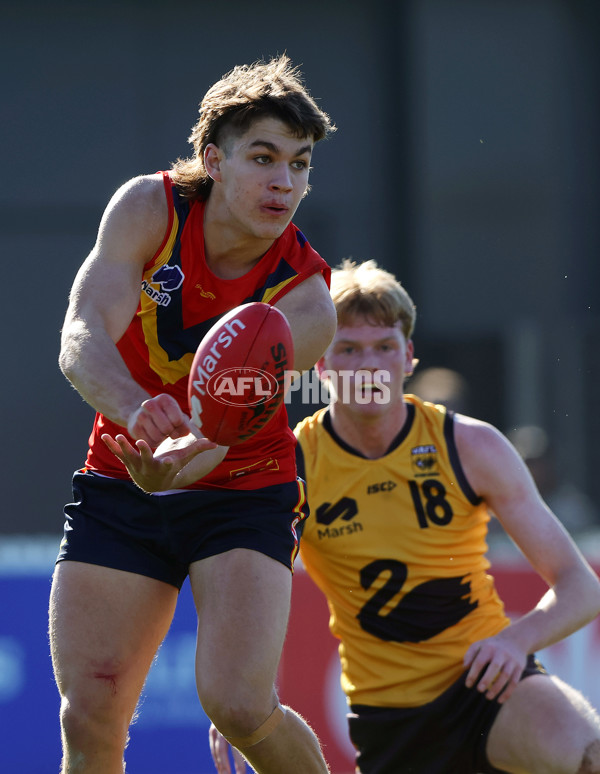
x=424 y=460
x=169 y=278
x=343 y=513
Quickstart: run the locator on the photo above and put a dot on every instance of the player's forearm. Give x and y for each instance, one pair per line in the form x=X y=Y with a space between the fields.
x=571 y=603
x=93 y=365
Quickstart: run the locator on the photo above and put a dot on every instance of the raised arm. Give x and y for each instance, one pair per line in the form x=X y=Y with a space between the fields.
x=103 y=300
x=498 y=474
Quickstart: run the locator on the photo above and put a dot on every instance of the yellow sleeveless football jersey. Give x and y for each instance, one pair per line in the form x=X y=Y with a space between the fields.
x=397 y=545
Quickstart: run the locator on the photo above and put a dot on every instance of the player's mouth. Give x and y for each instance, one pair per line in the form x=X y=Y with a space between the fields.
x=275 y=208
x=370 y=389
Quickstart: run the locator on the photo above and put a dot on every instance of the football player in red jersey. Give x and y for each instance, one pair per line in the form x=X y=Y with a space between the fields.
x=175 y=251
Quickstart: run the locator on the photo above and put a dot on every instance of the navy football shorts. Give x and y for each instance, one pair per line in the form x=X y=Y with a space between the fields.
x=445 y=736
x=115 y=524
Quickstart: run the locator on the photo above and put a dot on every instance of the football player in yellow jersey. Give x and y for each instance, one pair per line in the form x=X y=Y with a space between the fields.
x=400 y=492
x=438 y=680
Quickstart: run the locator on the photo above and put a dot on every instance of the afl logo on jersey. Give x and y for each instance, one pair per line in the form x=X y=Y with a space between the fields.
x=424 y=460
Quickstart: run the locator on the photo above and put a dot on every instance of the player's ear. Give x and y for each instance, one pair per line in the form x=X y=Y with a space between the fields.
x=212 y=161
x=320 y=367
x=411 y=361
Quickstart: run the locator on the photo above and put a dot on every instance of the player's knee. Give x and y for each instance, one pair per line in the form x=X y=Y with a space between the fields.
x=236 y=716
x=86 y=724
x=230 y=703
x=590 y=763
x=232 y=719
x=260 y=733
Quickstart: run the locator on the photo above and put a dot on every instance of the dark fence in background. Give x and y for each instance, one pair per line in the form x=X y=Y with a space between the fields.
x=465 y=161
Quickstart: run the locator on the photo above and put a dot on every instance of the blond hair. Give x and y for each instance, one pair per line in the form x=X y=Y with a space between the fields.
x=248 y=93
x=365 y=290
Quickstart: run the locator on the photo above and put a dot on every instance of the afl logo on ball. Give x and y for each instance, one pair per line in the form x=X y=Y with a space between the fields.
x=242 y=386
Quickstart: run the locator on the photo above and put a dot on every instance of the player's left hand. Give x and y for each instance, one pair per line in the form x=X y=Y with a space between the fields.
x=156 y=471
x=498 y=663
x=219 y=749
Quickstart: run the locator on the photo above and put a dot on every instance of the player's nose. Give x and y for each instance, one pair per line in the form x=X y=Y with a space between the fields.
x=369 y=360
x=282 y=178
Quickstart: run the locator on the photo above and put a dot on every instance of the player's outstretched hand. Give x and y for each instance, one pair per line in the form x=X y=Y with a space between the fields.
x=219 y=749
x=156 y=471
x=158 y=418
x=498 y=662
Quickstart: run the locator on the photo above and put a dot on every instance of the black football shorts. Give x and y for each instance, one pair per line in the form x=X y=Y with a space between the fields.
x=115 y=524
x=445 y=736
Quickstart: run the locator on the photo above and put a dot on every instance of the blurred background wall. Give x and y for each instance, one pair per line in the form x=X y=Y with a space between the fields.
x=466 y=161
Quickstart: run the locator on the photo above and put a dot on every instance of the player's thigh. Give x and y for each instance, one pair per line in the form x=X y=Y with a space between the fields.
x=243 y=601
x=545 y=726
x=105 y=627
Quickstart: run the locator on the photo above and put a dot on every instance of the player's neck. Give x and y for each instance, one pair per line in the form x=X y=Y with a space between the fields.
x=371 y=435
x=229 y=251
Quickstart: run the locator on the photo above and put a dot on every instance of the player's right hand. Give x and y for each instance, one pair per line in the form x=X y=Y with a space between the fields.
x=158 y=418
x=495 y=665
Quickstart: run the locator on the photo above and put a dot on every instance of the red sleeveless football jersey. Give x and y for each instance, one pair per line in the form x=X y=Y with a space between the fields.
x=180 y=300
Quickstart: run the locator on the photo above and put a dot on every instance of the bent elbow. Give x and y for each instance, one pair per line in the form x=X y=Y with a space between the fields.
x=69 y=359
x=589 y=594
x=74 y=338
x=596 y=595
x=68 y=369
x=65 y=363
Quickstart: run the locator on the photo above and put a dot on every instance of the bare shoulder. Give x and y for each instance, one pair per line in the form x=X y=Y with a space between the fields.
x=141 y=191
x=310 y=295
x=137 y=213
x=487 y=456
x=475 y=434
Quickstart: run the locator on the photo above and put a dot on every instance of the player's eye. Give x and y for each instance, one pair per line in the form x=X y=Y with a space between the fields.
x=300 y=165
x=262 y=159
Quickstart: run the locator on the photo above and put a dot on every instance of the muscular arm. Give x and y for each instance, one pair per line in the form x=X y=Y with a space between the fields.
x=498 y=474
x=311 y=315
x=102 y=302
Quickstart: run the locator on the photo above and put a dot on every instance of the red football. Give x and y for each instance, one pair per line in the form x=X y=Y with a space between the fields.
x=237 y=378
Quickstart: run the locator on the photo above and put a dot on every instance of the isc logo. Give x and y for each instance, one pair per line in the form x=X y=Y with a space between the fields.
x=242 y=386
x=384 y=486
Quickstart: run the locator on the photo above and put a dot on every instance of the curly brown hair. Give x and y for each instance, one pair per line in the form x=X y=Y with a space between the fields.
x=245 y=94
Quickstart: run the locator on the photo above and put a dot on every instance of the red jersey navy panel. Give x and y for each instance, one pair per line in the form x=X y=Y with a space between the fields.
x=180 y=300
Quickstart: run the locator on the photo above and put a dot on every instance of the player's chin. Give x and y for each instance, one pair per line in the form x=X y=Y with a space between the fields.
x=269 y=234
x=272 y=227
